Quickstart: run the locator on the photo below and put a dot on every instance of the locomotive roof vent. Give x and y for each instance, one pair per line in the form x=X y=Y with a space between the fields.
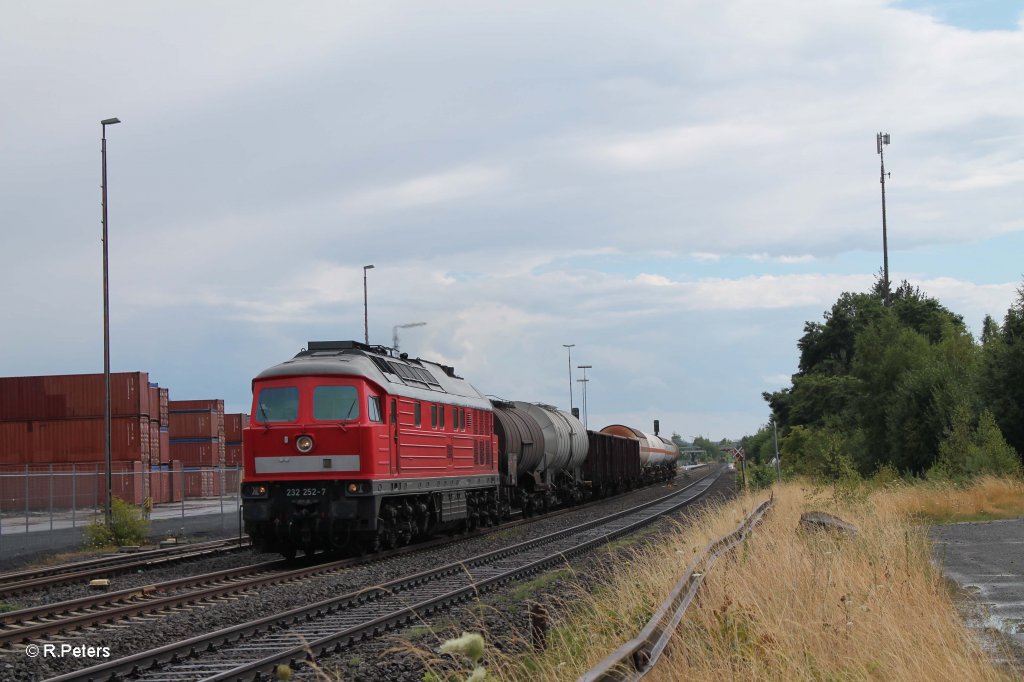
x=335 y=346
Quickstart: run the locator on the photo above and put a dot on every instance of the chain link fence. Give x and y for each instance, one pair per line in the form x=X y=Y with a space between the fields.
x=46 y=506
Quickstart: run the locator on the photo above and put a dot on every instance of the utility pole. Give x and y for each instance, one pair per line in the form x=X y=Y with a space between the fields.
x=881 y=140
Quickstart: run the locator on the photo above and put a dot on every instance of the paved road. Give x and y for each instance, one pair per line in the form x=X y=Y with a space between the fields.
x=988 y=558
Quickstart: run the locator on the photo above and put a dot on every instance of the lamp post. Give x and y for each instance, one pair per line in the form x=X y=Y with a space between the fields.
x=394 y=331
x=569 y=347
x=584 y=381
x=106 y=323
x=366 y=315
x=881 y=140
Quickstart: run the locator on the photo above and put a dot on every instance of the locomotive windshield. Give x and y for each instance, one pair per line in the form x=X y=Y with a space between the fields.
x=334 y=403
x=277 y=404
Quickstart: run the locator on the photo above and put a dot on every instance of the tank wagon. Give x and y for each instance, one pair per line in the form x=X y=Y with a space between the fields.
x=356 y=446
x=658 y=455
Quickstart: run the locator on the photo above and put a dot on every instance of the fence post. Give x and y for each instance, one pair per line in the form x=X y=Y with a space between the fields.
x=51 y=496
x=220 y=494
x=26 y=499
x=183 y=498
x=96 y=486
x=74 y=493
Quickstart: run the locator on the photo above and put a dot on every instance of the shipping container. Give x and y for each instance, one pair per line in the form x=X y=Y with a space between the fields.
x=200 y=405
x=154 y=441
x=165 y=445
x=233 y=425
x=232 y=454
x=73 y=396
x=163 y=407
x=73 y=440
x=198 y=452
x=200 y=424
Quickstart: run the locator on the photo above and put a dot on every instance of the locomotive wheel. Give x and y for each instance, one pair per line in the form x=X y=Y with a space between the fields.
x=289 y=552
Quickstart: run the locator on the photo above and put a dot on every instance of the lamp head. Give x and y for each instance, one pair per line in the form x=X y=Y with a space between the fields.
x=110 y=121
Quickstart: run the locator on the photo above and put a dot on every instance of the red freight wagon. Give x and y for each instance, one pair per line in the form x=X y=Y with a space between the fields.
x=73 y=440
x=73 y=396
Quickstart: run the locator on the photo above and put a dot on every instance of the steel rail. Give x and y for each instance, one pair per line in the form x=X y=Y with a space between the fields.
x=44 y=578
x=637 y=657
x=335 y=623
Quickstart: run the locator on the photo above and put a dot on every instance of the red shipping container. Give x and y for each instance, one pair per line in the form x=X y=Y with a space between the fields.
x=154 y=441
x=73 y=440
x=196 y=425
x=73 y=396
x=198 y=452
x=233 y=425
x=187 y=405
x=165 y=445
x=163 y=407
x=233 y=455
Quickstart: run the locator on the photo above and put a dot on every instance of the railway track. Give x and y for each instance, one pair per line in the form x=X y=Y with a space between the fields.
x=25 y=625
x=247 y=650
x=19 y=582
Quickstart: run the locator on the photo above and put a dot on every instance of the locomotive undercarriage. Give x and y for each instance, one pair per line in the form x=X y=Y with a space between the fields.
x=335 y=522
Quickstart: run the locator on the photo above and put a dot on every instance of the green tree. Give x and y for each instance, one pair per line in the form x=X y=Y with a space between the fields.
x=1002 y=374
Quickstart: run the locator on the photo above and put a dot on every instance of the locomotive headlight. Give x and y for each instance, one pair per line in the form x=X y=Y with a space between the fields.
x=253 y=490
x=304 y=444
x=353 y=487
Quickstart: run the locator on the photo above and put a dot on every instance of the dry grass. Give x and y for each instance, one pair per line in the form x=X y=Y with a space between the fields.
x=789 y=604
x=986 y=499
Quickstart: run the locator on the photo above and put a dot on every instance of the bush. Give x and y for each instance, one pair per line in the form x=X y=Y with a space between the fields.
x=968 y=452
x=128 y=526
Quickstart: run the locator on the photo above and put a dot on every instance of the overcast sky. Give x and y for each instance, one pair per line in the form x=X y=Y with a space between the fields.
x=673 y=187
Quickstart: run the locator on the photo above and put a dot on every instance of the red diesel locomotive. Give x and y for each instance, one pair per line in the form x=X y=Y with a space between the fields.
x=352 y=445
x=355 y=446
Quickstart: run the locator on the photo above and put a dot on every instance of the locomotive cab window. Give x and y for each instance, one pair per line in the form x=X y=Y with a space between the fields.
x=335 y=403
x=277 y=404
x=373 y=409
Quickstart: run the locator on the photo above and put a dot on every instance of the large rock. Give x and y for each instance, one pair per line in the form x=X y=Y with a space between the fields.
x=816 y=520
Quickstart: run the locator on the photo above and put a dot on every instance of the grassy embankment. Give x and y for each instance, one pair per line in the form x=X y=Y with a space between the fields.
x=792 y=604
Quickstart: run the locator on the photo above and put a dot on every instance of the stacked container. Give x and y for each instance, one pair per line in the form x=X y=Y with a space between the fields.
x=197 y=432
x=55 y=424
x=233 y=425
x=59 y=419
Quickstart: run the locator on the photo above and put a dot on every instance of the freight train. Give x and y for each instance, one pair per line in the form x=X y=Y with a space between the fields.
x=352 y=447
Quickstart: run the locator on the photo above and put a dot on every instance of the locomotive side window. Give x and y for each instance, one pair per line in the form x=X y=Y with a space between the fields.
x=277 y=404
x=373 y=409
x=433 y=415
x=440 y=416
x=335 y=403
x=394 y=411
x=418 y=413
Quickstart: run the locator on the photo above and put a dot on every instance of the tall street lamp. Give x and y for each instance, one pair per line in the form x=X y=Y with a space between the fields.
x=569 y=347
x=394 y=331
x=366 y=316
x=106 y=323
x=881 y=140
x=584 y=381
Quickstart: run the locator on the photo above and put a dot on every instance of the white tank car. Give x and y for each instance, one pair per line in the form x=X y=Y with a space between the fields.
x=565 y=438
x=654 y=450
